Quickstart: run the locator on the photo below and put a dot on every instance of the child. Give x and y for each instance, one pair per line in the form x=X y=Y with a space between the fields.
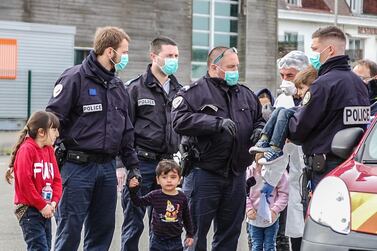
x=261 y=231
x=170 y=209
x=275 y=132
x=38 y=186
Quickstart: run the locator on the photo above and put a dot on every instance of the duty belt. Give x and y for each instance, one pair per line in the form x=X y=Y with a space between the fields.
x=148 y=155
x=81 y=157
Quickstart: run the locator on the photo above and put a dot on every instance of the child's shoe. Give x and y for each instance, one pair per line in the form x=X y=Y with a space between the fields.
x=270 y=157
x=260 y=147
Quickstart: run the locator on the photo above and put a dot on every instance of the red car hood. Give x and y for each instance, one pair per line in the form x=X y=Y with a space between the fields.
x=361 y=181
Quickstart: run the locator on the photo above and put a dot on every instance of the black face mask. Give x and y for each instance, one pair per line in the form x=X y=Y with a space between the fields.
x=372 y=90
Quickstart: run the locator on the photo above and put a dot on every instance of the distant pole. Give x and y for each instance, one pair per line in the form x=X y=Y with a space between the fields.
x=336 y=12
x=28 y=94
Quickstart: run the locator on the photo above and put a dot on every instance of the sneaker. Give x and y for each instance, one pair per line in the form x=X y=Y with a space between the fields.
x=270 y=157
x=260 y=147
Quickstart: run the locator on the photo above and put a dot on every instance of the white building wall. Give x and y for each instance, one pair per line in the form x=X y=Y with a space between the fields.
x=46 y=50
x=305 y=24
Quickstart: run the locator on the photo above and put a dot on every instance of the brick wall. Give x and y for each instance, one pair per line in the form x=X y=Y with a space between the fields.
x=315 y=4
x=370 y=7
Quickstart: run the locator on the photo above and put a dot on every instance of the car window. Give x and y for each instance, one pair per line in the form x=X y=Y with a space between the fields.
x=370 y=150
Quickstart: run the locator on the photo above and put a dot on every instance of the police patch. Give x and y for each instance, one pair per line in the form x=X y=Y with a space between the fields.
x=356 y=115
x=145 y=101
x=92 y=108
x=306 y=98
x=176 y=102
x=57 y=90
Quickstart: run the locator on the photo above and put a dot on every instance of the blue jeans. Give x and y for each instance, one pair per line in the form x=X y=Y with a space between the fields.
x=264 y=238
x=36 y=230
x=89 y=197
x=214 y=197
x=276 y=127
x=165 y=244
x=133 y=225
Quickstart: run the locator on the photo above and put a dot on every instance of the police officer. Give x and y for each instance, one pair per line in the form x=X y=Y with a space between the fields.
x=337 y=93
x=367 y=71
x=151 y=96
x=91 y=103
x=223 y=115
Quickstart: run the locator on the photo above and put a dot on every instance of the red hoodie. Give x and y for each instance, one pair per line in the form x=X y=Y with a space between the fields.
x=33 y=168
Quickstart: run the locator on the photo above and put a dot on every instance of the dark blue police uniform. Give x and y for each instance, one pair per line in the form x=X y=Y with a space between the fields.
x=216 y=186
x=337 y=99
x=91 y=103
x=149 y=110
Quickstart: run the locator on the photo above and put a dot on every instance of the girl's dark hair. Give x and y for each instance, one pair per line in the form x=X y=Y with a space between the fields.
x=165 y=166
x=38 y=120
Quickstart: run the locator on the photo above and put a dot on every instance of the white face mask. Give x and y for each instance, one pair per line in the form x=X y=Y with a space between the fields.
x=288 y=87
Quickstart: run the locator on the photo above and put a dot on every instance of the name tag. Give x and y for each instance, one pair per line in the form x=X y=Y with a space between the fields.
x=145 y=101
x=92 y=108
x=356 y=115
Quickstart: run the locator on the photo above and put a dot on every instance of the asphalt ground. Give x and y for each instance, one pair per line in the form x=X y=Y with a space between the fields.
x=11 y=236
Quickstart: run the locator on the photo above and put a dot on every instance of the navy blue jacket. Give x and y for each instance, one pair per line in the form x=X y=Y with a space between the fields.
x=315 y=124
x=199 y=110
x=149 y=111
x=92 y=109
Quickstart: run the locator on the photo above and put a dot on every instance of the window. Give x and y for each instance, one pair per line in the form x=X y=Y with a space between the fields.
x=355 y=49
x=294 y=2
x=81 y=53
x=215 y=22
x=8 y=58
x=289 y=42
x=356 y=6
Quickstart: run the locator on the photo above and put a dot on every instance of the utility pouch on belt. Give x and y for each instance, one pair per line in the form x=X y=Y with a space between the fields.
x=77 y=157
x=60 y=154
x=319 y=163
x=189 y=154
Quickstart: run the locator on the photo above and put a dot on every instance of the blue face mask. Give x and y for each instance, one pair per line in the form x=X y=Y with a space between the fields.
x=122 y=64
x=231 y=77
x=314 y=59
x=170 y=67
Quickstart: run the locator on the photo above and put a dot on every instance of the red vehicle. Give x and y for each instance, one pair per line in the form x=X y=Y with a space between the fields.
x=343 y=210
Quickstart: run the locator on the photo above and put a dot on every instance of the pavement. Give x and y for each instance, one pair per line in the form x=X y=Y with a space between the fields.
x=10 y=233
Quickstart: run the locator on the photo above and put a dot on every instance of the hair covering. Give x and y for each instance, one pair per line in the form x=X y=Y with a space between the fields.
x=294 y=59
x=268 y=92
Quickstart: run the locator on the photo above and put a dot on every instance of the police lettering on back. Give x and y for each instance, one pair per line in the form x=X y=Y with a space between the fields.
x=356 y=115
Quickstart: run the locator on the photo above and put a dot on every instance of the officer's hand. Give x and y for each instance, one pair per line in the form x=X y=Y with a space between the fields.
x=134 y=172
x=288 y=88
x=267 y=190
x=255 y=136
x=229 y=126
x=133 y=183
x=121 y=177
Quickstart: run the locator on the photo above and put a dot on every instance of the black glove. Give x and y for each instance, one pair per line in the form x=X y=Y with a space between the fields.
x=250 y=182
x=134 y=172
x=255 y=136
x=229 y=126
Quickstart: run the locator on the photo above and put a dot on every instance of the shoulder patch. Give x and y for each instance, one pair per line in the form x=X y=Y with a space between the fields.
x=57 y=90
x=131 y=81
x=176 y=102
x=306 y=98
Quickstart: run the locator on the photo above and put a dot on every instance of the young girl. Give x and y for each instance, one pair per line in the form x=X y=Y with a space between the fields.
x=262 y=231
x=38 y=185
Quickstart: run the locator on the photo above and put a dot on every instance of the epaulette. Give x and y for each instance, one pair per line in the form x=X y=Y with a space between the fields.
x=132 y=80
x=185 y=88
